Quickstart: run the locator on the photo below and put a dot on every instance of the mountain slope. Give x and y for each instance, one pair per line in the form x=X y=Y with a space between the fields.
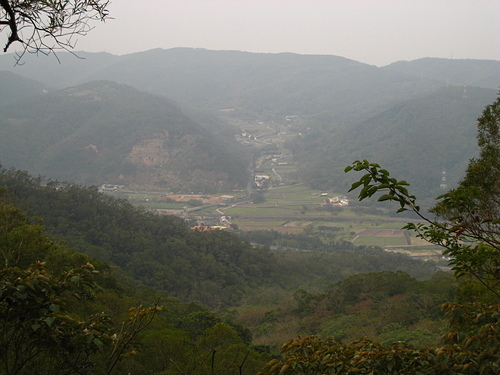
x=416 y=140
x=68 y=69
x=479 y=73
x=16 y=87
x=259 y=85
x=103 y=132
x=265 y=85
x=215 y=268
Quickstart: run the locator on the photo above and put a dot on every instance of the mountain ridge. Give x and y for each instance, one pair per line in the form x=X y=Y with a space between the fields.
x=105 y=132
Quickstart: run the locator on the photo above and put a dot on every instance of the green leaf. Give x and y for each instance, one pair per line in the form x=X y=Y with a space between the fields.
x=355 y=185
x=98 y=343
x=386 y=197
x=49 y=320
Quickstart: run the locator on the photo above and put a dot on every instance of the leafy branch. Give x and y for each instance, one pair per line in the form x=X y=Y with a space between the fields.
x=469 y=239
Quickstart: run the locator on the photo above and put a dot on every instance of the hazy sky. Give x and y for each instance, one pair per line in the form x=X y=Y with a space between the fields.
x=372 y=31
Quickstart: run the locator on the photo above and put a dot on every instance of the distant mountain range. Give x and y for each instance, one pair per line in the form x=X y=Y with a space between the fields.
x=256 y=85
x=468 y=72
x=345 y=109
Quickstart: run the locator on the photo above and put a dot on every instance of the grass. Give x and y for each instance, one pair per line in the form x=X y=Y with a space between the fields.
x=293 y=194
x=163 y=205
x=277 y=225
x=380 y=241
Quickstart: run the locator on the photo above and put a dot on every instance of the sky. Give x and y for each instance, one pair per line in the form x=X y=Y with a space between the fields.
x=376 y=32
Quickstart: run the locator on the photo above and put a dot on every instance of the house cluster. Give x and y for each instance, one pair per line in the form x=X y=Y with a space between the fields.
x=245 y=137
x=245 y=134
x=111 y=187
x=203 y=228
x=338 y=201
x=260 y=179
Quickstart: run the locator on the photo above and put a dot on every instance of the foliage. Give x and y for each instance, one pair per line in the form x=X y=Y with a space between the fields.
x=160 y=251
x=20 y=241
x=44 y=26
x=139 y=319
x=468 y=237
x=214 y=268
x=385 y=306
x=311 y=355
x=415 y=139
x=61 y=320
x=471 y=346
x=314 y=356
x=35 y=327
x=467 y=228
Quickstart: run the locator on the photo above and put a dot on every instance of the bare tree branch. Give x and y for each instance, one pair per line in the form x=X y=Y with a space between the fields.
x=46 y=26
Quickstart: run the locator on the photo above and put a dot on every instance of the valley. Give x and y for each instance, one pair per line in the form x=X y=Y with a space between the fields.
x=275 y=200
x=205 y=194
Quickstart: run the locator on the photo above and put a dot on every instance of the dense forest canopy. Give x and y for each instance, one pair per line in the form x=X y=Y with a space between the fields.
x=215 y=268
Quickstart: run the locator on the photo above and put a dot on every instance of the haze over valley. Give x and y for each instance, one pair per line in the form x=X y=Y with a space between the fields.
x=170 y=118
x=228 y=207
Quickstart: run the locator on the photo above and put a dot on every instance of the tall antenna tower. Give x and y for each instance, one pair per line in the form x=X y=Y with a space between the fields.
x=443 y=184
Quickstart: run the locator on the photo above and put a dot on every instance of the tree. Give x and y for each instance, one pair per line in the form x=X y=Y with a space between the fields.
x=36 y=331
x=472 y=211
x=468 y=238
x=467 y=226
x=467 y=223
x=45 y=26
x=484 y=171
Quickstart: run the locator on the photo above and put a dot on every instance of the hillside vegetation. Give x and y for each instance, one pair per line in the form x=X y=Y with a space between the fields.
x=456 y=72
x=418 y=139
x=103 y=132
x=214 y=268
x=338 y=108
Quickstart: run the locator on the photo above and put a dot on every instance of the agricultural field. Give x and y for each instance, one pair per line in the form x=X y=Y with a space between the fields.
x=291 y=209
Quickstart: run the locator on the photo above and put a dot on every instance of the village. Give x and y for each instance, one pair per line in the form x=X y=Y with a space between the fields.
x=275 y=199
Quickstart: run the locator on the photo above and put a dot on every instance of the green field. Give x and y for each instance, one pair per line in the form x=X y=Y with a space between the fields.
x=380 y=241
x=290 y=209
x=293 y=195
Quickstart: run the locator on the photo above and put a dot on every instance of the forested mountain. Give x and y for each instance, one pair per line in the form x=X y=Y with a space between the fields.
x=66 y=70
x=417 y=140
x=406 y=113
x=457 y=72
x=63 y=312
x=15 y=87
x=265 y=85
x=103 y=132
x=255 y=84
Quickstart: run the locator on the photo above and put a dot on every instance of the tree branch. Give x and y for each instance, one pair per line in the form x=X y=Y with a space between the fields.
x=14 y=37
